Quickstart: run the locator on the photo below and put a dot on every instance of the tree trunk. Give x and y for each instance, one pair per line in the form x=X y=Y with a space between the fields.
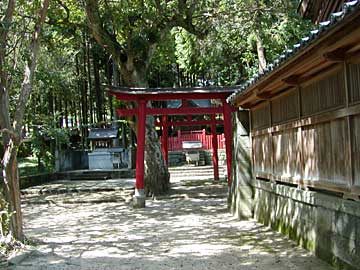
x=66 y=114
x=109 y=75
x=261 y=53
x=75 y=114
x=60 y=111
x=87 y=68
x=12 y=188
x=12 y=134
x=84 y=98
x=51 y=103
x=259 y=39
x=133 y=67
x=156 y=172
x=98 y=94
x=81 y=105
x=114 y=116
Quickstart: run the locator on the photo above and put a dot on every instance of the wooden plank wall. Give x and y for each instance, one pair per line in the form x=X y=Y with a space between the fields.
x=354 y=82
x=311 y=134
x=326 y=94
x=287 y=149
x=260 y=117
x=262 y=161
x=355 y=140
x=286 y=107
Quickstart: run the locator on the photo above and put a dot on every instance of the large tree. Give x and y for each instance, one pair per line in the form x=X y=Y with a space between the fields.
x=11 y=122
x=131 y=31
x=245 y=36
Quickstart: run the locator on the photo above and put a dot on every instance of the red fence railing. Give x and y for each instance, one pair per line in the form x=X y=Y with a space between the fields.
x=175 y=143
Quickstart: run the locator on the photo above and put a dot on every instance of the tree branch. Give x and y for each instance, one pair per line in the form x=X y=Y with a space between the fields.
x=102 y=36
x=26 y=86
x=158 y=6
x=186 y=22
x=67 y=10
x=4 y=93
x=6 y=22
x=16 y=138
x=4 y=30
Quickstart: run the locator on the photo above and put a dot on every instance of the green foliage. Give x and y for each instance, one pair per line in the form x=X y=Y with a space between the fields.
x=162 y=70
x=24 y=149
x=64 y=83
x=29 y=166
x=45 y=139
x=228 y=54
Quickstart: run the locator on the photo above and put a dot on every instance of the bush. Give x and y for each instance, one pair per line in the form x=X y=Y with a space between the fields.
x=25 y=149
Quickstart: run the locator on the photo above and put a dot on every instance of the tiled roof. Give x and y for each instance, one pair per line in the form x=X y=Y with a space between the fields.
x=324 y=27
x=103 y=133
x=177 y=90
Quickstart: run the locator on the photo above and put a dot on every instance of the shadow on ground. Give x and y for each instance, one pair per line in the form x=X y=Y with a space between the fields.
x=188 y=229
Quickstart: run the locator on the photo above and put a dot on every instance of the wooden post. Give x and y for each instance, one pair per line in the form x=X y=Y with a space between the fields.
x=350 y=163
x=183 y=103
x=139 y=198
x=228 y=138
x=203 y=137
x=165 y=139
x=214 y=148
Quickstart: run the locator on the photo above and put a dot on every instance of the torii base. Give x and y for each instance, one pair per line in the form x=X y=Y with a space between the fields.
x=139 y=199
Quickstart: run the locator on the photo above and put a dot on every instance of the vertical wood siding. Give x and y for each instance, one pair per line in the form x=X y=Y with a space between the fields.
x=285 y=108
x=175 y=143
x=260 y=117
x=354 y=82
x=323 y=95
x=325 y=152
x=287 y=147
x=355 y=136
x=321 y=146
x=262 y=159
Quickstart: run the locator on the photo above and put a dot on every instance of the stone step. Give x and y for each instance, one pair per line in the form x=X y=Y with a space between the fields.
x=90 y=177
x=70 y=191
x=192 y=173
x=96 y=175
x=194 y=169
x=209 y=175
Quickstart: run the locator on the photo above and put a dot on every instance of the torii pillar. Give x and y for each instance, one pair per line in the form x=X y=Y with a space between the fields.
x=139 y=197
x=214 y=148
x=164 y=143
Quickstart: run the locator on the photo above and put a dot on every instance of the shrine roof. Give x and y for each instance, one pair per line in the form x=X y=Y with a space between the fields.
x=102 y=133
x=174 y=93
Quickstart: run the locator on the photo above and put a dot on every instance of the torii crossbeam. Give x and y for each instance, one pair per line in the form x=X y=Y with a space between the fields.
x=142 y=95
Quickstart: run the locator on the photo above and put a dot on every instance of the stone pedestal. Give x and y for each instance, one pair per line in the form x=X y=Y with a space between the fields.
x=139 y=199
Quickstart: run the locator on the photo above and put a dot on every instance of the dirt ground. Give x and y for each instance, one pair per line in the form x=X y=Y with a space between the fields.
x=90 y=225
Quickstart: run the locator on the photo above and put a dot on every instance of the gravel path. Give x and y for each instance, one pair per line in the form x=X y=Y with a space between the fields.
x=188 y=229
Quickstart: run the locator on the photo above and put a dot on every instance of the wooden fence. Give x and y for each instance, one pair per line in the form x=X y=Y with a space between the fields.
x=175 y=143
x=310 y=135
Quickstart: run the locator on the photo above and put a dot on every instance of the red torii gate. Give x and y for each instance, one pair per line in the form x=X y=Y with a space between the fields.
x=142 y=95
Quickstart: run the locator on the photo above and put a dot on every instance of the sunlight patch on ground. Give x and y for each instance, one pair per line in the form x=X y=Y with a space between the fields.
x=192 y=232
